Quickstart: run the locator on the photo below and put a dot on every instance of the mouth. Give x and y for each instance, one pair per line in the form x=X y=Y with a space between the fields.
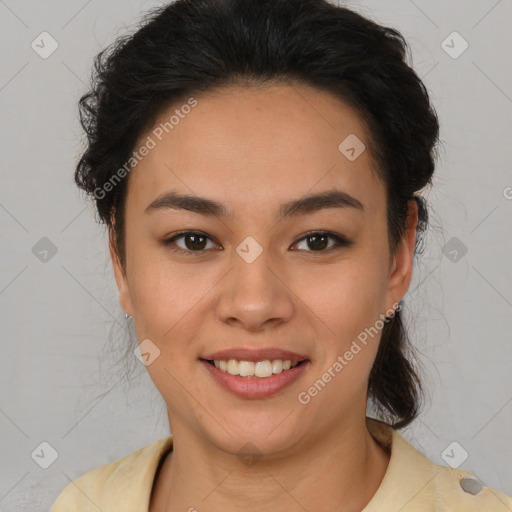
x=254 y=369
x=254 y=379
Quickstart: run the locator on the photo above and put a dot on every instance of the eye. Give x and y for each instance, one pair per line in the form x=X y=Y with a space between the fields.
x=194 y=241
x=318 y=240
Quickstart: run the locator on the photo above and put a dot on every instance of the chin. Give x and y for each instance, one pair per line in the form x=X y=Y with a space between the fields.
x=255 y=434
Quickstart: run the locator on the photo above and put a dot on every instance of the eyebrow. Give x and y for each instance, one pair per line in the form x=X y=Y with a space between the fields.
x=302 y=206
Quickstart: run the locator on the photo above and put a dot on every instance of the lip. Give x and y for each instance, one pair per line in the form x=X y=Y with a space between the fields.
x=255 y=387
x=254 y=355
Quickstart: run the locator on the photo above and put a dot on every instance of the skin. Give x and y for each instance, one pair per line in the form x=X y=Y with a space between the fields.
x=253 y=149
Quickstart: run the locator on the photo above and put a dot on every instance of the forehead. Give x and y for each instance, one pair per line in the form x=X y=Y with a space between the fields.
x=251 y=145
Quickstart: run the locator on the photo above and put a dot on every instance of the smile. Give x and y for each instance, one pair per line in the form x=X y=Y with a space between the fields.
x=260 y=369
x=258 y=379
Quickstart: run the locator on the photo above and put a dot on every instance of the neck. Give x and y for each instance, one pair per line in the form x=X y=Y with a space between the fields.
x=194 y=478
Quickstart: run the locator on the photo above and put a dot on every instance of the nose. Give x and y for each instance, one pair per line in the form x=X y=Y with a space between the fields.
x=255 y=295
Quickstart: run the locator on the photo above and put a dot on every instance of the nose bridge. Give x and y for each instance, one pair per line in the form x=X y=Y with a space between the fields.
x=253 y=293
x=251 y=273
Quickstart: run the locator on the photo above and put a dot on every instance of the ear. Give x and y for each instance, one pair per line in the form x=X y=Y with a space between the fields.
x=400 y=273
x=121 y=278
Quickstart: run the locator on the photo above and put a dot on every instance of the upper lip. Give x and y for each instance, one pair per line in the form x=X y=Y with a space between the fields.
x=262 y=354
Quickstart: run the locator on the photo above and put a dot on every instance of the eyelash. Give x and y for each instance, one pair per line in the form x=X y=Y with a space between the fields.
x=340 y=240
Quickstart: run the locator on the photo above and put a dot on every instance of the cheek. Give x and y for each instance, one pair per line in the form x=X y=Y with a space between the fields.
x=168 y=301
x=160 y=293
x=166 y=296
x=345 y=297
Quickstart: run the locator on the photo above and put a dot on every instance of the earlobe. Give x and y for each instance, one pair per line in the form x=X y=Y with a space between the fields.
x=401 y=268
x=120 y=276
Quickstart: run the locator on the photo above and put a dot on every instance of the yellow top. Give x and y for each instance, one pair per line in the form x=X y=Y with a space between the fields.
x=411 y=483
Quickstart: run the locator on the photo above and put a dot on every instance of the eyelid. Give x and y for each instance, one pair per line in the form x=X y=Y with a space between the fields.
x=340 y=241
x=167 y=242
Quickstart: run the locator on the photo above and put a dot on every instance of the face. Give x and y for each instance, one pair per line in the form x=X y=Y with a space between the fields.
x=255 y=273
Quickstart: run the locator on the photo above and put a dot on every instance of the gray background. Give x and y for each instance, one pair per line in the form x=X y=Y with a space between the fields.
x=61 y=326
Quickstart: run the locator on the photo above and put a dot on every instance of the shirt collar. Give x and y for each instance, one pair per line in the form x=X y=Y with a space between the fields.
x=408 y=473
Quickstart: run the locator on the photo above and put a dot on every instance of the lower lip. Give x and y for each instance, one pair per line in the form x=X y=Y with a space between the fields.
x=256 y=387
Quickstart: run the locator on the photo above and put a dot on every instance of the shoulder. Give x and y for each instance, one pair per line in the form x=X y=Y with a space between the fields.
x=441 y=488
x=457 y=489
x=413 y=483
x=124 y=481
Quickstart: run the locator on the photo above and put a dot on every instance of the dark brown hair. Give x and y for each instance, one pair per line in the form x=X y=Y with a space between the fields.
x=190 y=46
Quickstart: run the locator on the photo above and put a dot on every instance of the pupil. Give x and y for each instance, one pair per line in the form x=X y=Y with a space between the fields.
x=321 y=245
x=194 y=245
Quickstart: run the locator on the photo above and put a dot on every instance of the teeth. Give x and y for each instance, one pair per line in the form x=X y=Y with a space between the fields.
x=260 y=369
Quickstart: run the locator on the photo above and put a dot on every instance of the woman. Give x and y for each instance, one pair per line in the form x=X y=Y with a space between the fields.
x=258 y=164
